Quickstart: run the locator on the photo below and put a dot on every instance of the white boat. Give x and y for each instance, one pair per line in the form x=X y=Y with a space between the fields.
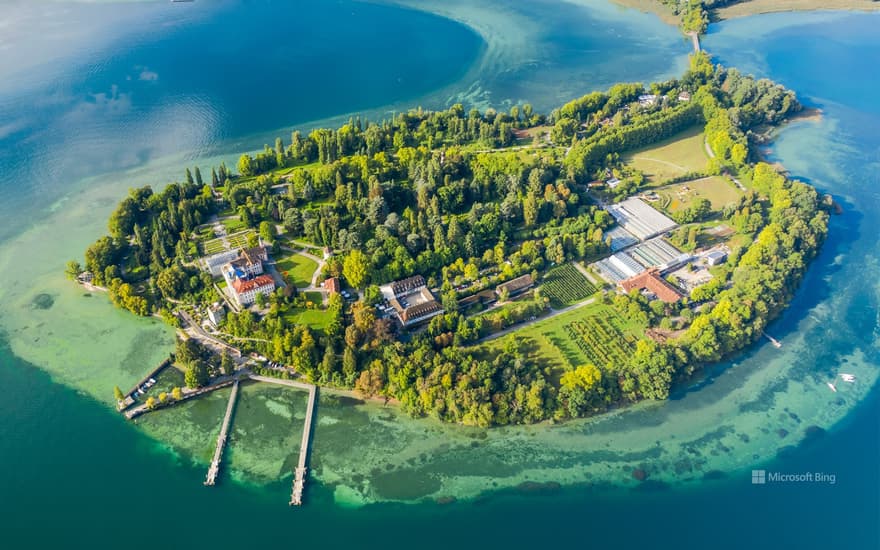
x=848 y=377
x=830 y=385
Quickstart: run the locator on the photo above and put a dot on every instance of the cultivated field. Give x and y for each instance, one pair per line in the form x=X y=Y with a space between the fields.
x=564 y=286
x=595 y=333
x=671 y=158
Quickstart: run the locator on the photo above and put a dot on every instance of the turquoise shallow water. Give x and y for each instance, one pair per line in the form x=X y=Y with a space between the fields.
x=71 y=463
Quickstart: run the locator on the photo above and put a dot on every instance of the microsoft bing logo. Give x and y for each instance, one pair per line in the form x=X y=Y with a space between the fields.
x=759 y=477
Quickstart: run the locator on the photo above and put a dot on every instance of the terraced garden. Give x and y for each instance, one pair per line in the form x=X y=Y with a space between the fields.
x=222 y=244
x=565 y=286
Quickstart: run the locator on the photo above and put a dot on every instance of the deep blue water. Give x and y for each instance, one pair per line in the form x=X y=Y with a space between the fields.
x=75 y=475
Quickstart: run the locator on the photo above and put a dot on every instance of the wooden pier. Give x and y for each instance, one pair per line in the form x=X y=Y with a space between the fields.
x=214 y=469
x=299 y=478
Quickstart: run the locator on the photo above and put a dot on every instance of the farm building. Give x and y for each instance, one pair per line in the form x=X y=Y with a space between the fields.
x=620 y=238
x=716 y=257
x=515 y=286
x=640 y=219
x=653 y=254
x=618 y=267
x=411 y=300
x=658 y=253
x=652 y=282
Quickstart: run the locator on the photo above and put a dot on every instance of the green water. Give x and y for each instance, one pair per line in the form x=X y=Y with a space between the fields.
x=70 y=462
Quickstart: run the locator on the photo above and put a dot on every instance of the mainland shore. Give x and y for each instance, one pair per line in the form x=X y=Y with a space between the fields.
x=752 y=7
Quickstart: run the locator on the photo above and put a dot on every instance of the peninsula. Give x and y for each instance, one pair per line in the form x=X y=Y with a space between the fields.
x=483 y=268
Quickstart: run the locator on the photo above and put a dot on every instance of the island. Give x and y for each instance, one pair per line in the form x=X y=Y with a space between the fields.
x=482 y=268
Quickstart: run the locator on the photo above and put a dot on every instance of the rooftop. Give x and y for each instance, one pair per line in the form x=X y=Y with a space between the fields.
x=651 y=281
x=259 y=281
x=640 y=219
x=516 y=285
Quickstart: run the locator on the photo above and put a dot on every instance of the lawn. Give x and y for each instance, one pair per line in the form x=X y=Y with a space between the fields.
x=233 y=224
x=671 y=158
x=564 y=286
x=299 y=268
x=717 y=190
x=595 y=333
x=314 y=318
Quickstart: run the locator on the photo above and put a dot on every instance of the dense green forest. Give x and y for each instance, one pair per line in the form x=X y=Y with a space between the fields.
x=471 y=199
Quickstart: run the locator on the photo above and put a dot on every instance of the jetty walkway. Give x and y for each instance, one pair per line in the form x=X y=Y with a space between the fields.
x=214 y=469
x=187 y=395
x=299 y=480
x=129 y=400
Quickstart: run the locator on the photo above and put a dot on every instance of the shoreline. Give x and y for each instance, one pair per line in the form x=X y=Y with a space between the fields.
x=760 y=7
x=542 y=425
x=752 y=7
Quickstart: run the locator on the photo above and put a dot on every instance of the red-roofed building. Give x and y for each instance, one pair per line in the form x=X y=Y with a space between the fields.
x=246 y=290
x=332 y=285
x=650 y=280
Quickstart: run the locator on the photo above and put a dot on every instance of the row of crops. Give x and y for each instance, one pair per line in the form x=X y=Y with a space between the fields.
x=602 y=340
x=222 y=244
x=564 y=286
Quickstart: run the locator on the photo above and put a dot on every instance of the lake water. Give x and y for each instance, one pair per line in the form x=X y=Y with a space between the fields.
x=96 y=98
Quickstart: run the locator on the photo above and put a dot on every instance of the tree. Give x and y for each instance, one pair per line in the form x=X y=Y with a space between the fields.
x=227 y=365
x=151 y=403
x=73 y=270
x=176 y=394
x=188 y=350
x=267 y=232
x=196 y=374
x=117 y=393
x=355 y=268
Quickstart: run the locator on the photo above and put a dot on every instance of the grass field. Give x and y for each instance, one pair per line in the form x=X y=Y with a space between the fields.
x=716 y=189
x=314 y=318
x=299 y=268
x=233 y=224
x=595 y=333
x=564 y=286
x=671 y=158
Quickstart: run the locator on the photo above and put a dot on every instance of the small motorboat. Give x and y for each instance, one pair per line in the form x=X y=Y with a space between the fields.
x=848 y=377
x=830 y=385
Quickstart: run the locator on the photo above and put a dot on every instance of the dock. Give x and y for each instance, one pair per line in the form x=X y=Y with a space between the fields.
x=129 y=396
x=299 y=481
x=214 y=469
x=188 y=394
x=299 y=478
